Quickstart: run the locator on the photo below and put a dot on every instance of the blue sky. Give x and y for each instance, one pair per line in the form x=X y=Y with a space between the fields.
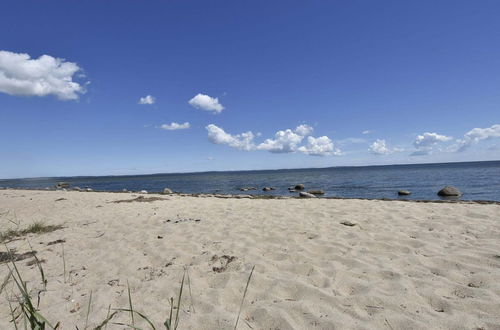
x=261 y=84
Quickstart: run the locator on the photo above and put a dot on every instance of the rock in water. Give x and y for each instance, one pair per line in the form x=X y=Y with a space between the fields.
x=167 y=191
x=316 y=192
x=62 y=185
x=306 y=195
x=449 y=191
x=404 y=193
x=267 y=188
x=299 y=187
x=143 y=191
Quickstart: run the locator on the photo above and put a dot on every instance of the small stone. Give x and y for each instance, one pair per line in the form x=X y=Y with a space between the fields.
x=167 y=191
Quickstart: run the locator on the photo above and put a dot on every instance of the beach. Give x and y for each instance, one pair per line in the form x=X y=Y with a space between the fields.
x=319 y=263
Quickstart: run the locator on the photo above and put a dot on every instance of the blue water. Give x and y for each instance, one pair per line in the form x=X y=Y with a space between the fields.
x=477 y=181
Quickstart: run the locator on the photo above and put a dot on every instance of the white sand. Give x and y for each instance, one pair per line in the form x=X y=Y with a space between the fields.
x=404 y=265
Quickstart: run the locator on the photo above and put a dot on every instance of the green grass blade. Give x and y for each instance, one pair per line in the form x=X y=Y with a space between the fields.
x=130 y=304
x=144 y=317
x=88 y=311
x=179 y=301
x=243 y=299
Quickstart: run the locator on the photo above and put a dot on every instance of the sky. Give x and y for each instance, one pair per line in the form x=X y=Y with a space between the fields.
x=136 y=87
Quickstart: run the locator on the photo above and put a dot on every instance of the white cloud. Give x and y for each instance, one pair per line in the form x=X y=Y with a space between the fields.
x=148 y=99
x=21 y=75
x=321 y=146
x=367 y=132
x=379 y=148
x=242 y=141
x=205 y=102
x=425 y=143
x=478 y=134
x=429 y=139
x=304 y=130
x=175 y=126
x=283 y=142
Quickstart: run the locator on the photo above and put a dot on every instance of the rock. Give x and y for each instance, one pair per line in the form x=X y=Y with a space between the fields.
x=449 y=191
x=291 y=190
x=143 y=192
x=299 y=187
x=306 y=195
x=89 y=189
x=404 y=193
x=267 y=189
x=167 y=191
x=243 y=189
x=62 y=185
x=77 y=189
x=316 y=192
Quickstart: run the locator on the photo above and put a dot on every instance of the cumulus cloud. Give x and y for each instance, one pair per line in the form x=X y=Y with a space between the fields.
x=478 y=134
x=243 y=141
x=367 y=132
x=283 y=142
x=429 y=139
x=304 y=130
x=424 y=143
x=205 y=102
x=379 y=147
x=321 y=146
x=175 y=126
x=21 y=75
x=148 y=99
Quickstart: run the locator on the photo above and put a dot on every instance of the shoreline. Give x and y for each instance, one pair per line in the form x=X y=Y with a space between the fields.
x=263 y=196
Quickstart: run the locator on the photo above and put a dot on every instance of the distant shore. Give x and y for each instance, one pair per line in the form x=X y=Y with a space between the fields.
x=320 y=263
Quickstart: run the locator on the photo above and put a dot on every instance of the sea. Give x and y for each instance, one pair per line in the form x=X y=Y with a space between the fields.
x=476 y=180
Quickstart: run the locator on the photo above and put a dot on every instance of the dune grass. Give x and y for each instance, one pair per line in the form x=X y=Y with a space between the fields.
x=27 y=312
x=37 y=227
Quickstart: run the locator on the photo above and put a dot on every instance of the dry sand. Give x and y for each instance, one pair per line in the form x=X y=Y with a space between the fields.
x=403 y=265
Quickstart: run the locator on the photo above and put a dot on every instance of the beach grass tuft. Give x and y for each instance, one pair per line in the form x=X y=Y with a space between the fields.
x=37 y=227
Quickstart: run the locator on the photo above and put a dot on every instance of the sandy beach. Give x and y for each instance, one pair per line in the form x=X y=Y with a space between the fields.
x=319 y=263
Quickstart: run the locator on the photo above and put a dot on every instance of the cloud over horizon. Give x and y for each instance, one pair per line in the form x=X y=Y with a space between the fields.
x=425 y=143
x=476 y=135
x=20 y=75
x=207 y=103
x=284 y=141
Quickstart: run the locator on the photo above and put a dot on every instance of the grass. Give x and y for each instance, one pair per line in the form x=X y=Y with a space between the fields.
x=28 y=313
x=37 y=227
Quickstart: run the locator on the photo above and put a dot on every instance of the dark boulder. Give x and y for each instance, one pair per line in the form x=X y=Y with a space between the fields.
x=299 y=187
x=404 y=193
x=316 y=192
x=62 y=185
x=267 y=189
x=449 y=191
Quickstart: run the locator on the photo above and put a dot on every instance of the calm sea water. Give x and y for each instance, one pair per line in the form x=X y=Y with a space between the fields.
x=477 y=181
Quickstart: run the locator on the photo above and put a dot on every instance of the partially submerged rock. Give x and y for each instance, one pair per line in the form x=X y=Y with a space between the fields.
x=60 y=185
x=268 y=188
x=304 y=194
x=299 y=187
x=167 y=191
x=449 y=191
x=316 y=192
x=404 y=192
